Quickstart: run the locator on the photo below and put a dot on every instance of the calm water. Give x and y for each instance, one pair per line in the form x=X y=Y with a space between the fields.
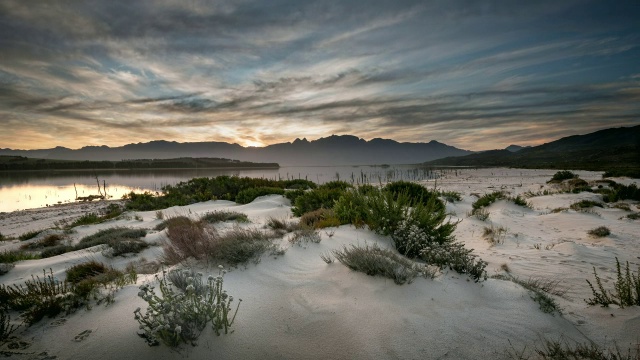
x=25 y=190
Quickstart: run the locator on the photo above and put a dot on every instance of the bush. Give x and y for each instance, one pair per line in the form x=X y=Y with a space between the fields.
x=55 y=251
x=600 y=231
x=319 y=219
x=86 y=270
x=487 y=200
x=110 y=237
x=455 y=257
x=627 y=289
x=305 y=235
x=373 y=261
x=189 y=239
x=416 y=193
x=181 y=279
x=281 y=225
x=324 y=196
x=220 y=216
x=520 y=201
x=248 y=195
x=450 y=196
x=175 y=220
x=562 y=175
x=48 y=241
x=180 y=317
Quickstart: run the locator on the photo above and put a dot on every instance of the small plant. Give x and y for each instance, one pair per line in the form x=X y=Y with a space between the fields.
x=562 y=175
x=480 y=214
x=281 y=225
x=221 y=216
x=176 y=317
x=487 y=200
x=29 y=235
x=634 y=216
x=494 y=235
x=455 y=257
x=6 y=329
x=159 y=215
x=555 y=349
x=584 y=204
x=86 y=270
x=182 y=278
x=520 y=201
x=538 y=290
x=87 y=219
x=305 y=235
x=600 y=231
x=327 y=258
x=48 y=241
x=627 y=289
x=138 y=217
x=319 y=219
x=450 y=196
x=373 y=261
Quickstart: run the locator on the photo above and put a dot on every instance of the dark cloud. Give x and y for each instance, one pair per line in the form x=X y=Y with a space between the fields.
x=262 y=71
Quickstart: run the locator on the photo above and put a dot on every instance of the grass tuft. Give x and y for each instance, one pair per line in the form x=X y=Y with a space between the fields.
x=600 y=231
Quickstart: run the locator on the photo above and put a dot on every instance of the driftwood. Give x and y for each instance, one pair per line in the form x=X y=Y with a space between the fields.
x=101 y=196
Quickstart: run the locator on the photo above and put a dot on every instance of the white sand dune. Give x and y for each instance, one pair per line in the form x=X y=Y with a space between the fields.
x=296 y=306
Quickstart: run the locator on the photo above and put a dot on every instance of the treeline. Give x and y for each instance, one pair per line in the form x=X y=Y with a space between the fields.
x=20 y=163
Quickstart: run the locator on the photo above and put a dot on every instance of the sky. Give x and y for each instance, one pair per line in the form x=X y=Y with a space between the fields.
x=472 y=74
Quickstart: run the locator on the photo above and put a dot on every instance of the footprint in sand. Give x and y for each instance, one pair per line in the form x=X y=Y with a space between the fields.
x=58 y=322
x=83 y=335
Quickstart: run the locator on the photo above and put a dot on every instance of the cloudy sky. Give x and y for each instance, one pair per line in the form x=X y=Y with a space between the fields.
x=473 y=74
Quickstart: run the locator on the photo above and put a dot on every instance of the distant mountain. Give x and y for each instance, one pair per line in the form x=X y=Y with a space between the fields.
x=601 y=150
x=332 y=150
x=515 y=148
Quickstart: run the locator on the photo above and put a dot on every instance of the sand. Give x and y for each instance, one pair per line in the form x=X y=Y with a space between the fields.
x=296 y=306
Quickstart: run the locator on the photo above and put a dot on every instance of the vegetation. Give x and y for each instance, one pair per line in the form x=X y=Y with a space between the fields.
x=205 y=189
x=120 y=240
x=176 y=317
x=584 y=204
x=494 y=235
x=11 y=256
x=29 y=235
x=46 y=296
x=600 y=231
x=319 y=219
x=324 y=196
x=372 y=260
x=47 y=241
x=221 y=216
x=626 y=289
x=562 y=175
x=248 y=195
x=562 y=349
x=189 y=239
x=520 y=201
x=540 y=291
x=305 y=235
x=17 y=163
x=487 y=200
x=6 y=328
x=110 y=212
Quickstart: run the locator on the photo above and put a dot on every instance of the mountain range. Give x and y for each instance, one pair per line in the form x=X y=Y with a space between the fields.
x=601 y=150
x=332 y=150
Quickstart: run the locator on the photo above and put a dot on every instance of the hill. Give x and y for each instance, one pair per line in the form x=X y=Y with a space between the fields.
x=332 y=150
x=615 y=148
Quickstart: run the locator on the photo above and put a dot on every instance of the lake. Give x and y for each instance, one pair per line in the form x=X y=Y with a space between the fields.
x=26 y=190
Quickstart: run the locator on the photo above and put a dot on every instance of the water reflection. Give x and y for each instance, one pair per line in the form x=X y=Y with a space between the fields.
x=24 y=190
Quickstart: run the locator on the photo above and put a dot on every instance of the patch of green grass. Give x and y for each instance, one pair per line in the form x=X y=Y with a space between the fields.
x=11 y=256
x=521 y=201
x=374 y=261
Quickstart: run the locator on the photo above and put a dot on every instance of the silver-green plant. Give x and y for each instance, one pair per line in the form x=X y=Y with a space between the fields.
x=175 y=317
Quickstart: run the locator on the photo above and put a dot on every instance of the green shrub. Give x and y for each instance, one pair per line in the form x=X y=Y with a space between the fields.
x=248 y=195
x=281 y=225
x=305 y=235
x=55 y=251
x=110 y=237
x=324 y=196
x=374 y=261
x=181 y=278
x=487 y=200
x=416 y=193
x=299 y=184
x=520 y=201
x=351 y=207
x=562 y=175
x=319 y=219
x=634 y=216
x=221 y=216
x=175 y=317
x=600 y=231
x=627 y=289
x=176 y=220
x=450 y=196
x=292 y=195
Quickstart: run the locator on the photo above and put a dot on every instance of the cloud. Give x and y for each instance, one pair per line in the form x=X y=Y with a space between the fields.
x=468 y=73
